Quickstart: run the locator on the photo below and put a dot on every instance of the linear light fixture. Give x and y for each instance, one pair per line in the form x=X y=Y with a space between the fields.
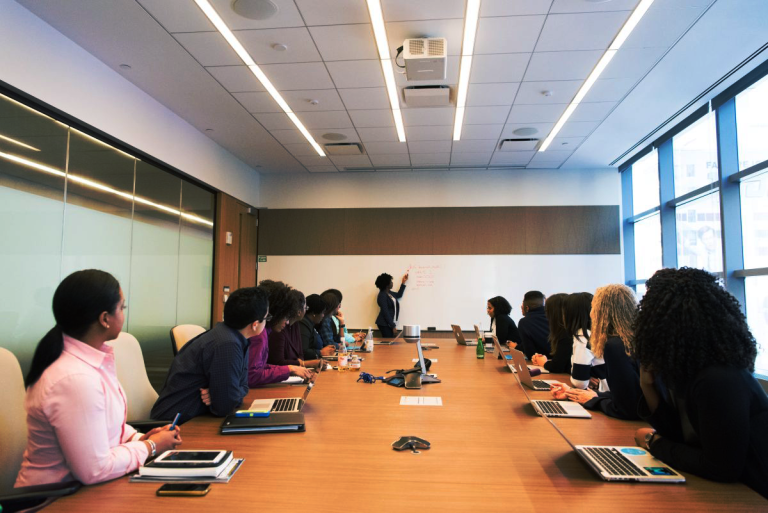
x=467 y=49
x=380 y=33
x=101 y=187
x=619 y=40
x=18 y=143
x=214 y=17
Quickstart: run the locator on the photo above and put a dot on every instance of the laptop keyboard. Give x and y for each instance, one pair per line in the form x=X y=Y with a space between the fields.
x=613 y=461
x=551 y=407
x=541 y=385
x=285 y=405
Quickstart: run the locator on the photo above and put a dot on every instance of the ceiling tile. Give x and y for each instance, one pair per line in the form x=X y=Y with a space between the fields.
x=288 y=136
x=398 y=10
x=588 y=31
x=632 y=62
x=562 y=65
x=609 y=89
x=567 y=6
x=258 y=43
x=178 y=16
x=390 y=160
x=257 y=102
x=429 y=147
x=353 y=74
x=512 y=158
x=452 y=30
x=343 y=161
x=592 y=111
x=485 y=115
x=663 y=24
x=536 y=113
x=451 y=76
x=505 y=67
x=287 y=16
x=543 y=165
x=299 y=101
x=551 y=156
x=429 y=116
x=372 y=118
x=386 y=148
x=470 y=132
x=578 y=128
x=429 y=133
x=345 y=42
x=209 y=48
x=314 y=160
x=275 y=121
x=475 y=146
x=377 y=134
x=430 y=159
x=350 y=135
x=329 y=119
x=562 y=91
x=365 y=98
x=236 y=78
x=515 y=8
x=471 y=159
x=543 y=130
x=491 y=94
x=508 y=34
x=300 y=149
x=322 y=169
x=333 y=12
x=296 y=76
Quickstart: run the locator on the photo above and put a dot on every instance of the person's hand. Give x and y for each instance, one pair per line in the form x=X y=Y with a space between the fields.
x=640 y=436
x=166 y=439
x=359 y=336
x=340 y=317
x=594 y=384
x=558 y=391
x=405 y=276
x=580 y=396
x=511 y=345
x=156 y=430
x=646 y=376
x=205 y=396
x=301 y=372
x=538 y=360
x=328 y=350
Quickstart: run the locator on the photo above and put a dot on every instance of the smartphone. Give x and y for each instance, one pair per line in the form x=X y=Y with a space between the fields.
x=183 y=489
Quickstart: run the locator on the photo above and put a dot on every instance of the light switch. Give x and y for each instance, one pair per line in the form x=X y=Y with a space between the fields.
x=229 y=238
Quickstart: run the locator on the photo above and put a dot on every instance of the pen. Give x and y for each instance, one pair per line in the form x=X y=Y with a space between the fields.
x=173 y=426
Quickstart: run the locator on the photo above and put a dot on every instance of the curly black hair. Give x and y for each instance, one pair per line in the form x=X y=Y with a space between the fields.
x=383 y=281
x=500 y=306
x=687 y=322
x=284 y=303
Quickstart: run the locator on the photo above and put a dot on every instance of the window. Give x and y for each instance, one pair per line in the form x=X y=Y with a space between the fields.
x=699 y=240
x=754 y=221
x=694 y=152
x=757 y=318
x=647 y=247
x=645 y=183
x=752 y=124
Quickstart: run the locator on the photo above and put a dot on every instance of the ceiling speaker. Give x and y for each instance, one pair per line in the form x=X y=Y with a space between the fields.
x=255 y=9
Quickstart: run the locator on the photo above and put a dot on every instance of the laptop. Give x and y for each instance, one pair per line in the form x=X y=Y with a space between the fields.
x=284 y=404
x=488 y=345
x=460 y=337
x=518 y=361
x=567 y=409
x=498 y=351
x=388 y=342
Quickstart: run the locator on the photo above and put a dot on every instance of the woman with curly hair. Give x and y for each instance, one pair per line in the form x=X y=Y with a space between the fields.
x=389 y=306
x=614 y=309
x=502 y=325
x=560 y=340
x=696 y=354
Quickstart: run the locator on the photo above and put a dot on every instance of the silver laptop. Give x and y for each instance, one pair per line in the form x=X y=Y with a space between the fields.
x=548 y=408
x=479 y=334
x=284 y=404
x=518 y=361
x=388 y=342
x=498 y=352
x=460 y=337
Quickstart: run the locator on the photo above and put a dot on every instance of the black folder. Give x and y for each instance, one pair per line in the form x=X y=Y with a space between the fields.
x=275 y=423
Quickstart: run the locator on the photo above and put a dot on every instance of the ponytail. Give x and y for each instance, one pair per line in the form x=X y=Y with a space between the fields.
x=48 y=351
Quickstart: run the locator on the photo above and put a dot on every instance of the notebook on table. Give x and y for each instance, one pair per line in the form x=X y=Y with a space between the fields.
x=283 y=423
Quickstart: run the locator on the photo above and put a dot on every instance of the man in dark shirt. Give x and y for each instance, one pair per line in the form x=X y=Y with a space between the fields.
x=534 y=327
x=210 y=373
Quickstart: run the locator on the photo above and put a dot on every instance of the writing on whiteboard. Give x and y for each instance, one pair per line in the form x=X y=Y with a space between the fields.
x=423 y=275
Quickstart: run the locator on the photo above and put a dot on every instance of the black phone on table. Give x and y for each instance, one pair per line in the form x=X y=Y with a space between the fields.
x=183 y=490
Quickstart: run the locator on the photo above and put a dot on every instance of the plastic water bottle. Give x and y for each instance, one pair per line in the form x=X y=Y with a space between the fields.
x=369 y=340
x=480 y=350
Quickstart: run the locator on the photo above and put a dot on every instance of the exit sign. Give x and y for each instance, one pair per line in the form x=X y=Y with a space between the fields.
x=262 y=258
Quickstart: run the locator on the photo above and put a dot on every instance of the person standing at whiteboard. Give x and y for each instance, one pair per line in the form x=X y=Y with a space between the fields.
x=389 y=307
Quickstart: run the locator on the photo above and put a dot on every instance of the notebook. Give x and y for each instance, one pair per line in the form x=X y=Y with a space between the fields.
x=283 y=423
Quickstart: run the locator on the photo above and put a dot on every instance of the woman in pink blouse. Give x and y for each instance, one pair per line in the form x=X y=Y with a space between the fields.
x=76 y=408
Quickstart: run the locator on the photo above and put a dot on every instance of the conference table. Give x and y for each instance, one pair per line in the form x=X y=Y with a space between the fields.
x=489 y=452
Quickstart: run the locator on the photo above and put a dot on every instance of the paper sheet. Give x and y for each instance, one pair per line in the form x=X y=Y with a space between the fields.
x=410 y=400
x=434 y=360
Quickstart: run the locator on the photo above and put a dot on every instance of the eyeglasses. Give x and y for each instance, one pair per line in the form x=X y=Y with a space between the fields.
x=267 y=318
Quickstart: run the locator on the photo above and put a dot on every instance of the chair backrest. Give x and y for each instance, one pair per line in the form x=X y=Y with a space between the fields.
x=182 y=334
x=132 y=375
x=13 y=421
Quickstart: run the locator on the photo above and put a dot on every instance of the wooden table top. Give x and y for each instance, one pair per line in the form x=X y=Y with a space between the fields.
x=490 y=452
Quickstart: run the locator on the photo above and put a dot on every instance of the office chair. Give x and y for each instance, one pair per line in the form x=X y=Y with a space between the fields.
x=182 y=334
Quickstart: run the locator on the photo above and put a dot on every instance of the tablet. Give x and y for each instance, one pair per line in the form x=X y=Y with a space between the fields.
x=191 y=457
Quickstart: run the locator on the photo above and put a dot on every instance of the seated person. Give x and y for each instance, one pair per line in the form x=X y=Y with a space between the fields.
x=502 y=324
x=76 y=409
x=560 y=340
x=311 y=343
x=584 y=364
x=534 y=327
x=210 y=373
x=697 y=358
x=614 y=309
x=338 y=321
x=285 y=344
x=327 y=329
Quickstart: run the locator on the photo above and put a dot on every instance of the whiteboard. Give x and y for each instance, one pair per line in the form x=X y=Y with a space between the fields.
x=442 y=289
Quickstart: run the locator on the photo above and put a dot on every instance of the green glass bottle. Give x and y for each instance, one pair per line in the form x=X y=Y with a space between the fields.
x=480 y=346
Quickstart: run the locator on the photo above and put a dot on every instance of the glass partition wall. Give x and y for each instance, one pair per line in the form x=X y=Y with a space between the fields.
x=69 y=201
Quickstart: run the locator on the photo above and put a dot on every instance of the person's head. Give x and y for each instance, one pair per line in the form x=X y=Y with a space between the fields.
x=86 y=304
x=576 y=313
x=554 y=310
x=614 y=309
x=498 y=306
x=532 y=299
x=336 y=292
x=298 y=296
x=316 y=308
x=282 y=304
x=246 y=311
x=687 y=322
x=332 y=302
x=384 y=282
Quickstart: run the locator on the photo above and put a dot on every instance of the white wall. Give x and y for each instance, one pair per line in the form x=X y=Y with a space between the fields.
x=442 y=189
x=39 y=60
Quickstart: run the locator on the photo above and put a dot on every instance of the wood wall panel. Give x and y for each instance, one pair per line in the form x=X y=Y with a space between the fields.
x=575 y=230
x=393 y=231
x=311 y=231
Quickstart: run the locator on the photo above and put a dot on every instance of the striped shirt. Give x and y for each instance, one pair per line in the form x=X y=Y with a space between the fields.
x=584 y=364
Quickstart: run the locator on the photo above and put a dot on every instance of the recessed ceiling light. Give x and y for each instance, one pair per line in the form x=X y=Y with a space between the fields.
x=333 y=136
x=209 y=129
x=314 y=102
x=125 y=66
x=255 y=9
x=525 y=131
x=547 y=93
x=279 y=47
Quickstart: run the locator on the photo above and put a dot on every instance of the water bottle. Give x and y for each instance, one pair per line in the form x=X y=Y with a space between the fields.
x=369 y=340
x=480 y=351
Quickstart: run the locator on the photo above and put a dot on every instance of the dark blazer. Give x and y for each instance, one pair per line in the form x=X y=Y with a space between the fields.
x=624 y=381
x=387 y=314
x=506 y=330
